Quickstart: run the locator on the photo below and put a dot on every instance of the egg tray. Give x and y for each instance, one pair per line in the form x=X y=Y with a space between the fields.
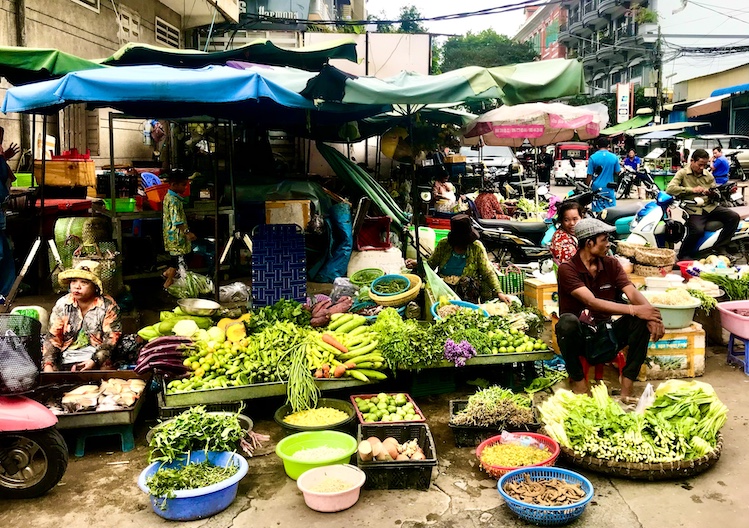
x=412 y=474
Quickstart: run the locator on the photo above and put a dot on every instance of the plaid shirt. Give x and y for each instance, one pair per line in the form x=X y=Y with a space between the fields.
x=101 y=324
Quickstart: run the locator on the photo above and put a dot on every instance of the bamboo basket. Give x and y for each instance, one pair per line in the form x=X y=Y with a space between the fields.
x=626 y=249
x=655 y=256
x=652 y=271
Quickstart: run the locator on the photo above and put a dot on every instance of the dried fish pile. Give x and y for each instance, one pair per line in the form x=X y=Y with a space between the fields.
x=544 y=492
x=113 y=394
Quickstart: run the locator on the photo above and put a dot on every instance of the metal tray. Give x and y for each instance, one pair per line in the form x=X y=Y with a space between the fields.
x=245 y=392
x=491 y=359
x=67 y=380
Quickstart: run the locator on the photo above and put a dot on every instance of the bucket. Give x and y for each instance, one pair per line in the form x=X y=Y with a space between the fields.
x=427 y=241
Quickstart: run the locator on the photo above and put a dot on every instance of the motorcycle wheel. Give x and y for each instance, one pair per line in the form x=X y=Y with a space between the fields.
x=623 y=192
x=42 y=458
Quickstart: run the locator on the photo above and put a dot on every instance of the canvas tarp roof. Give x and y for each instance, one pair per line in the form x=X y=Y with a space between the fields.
x=635 y=122
x=27 y=65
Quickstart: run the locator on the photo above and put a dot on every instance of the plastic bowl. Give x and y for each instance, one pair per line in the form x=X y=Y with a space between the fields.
x=344 y=426
x=286 y=448
x=676 y=316
x=462 y=304
x=365 y=277
x=498 y=471
x=198 y=503
x=402 y=281
x=683 y=266
x=736 y=324
x=336 y=500
x=546 y=515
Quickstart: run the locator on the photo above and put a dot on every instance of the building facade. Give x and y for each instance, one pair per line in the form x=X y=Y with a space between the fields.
x=541 y=29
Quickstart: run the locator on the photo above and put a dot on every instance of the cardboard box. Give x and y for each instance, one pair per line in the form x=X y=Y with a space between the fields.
x=455 y=159
x=66 y=173
x=542 y=295
x=637 y=280
x=680 y=354
x=288 y=212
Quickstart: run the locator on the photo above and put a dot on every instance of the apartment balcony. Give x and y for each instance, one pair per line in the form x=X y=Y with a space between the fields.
x=610 y=51
x=565 y=37
x=568 y=3
x=575 y=25
x=590 y=12
x=611 y=8
x=589 y=57
x=627 y=35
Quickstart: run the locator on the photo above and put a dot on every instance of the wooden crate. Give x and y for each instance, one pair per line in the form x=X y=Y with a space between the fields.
x=541 y=295
x=288 y=212
x=680 y=354
x=66 y=173
x=637 y=280
x=455 y=159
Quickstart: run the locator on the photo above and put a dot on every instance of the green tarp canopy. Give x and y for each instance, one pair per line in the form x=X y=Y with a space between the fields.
x=513 y=84
x=260 y=51
x=27 y=65
x=635 y=122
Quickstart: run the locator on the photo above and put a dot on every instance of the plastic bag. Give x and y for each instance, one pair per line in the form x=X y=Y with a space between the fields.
x=342 y=287
x=438 y=287
x=646 y=400
x=17 y=371
x=521 y=439
x=190 y=285
x=234 y=292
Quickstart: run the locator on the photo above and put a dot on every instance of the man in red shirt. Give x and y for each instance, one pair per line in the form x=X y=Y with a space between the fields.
x=590 y=288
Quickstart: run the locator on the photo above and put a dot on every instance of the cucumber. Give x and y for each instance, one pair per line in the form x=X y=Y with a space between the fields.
x=351 y=325
x=337 y=322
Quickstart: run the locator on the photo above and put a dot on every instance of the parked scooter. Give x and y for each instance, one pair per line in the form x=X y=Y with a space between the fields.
x=663 y=224
x=728 y=195
x=631 y=178
x=33 y=454
x=735 y=171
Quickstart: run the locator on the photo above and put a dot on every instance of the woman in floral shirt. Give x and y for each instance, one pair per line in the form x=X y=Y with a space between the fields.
x=563 y=243
x=85 y=324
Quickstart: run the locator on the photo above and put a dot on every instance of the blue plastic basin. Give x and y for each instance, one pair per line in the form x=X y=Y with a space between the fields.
x=462 y=304
x=198 y=503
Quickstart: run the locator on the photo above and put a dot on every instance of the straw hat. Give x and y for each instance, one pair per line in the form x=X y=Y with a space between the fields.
x=462 y=232
x=85 y=269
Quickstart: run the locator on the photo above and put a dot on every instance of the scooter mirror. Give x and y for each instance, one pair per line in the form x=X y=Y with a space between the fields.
x=426 y=196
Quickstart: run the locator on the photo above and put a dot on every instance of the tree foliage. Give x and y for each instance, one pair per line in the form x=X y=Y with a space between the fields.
x=487 y=49
x=408 y=20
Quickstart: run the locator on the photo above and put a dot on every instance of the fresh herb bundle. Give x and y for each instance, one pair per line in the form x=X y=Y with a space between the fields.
x=166 y=481
x=283 y=310
x=494 y=407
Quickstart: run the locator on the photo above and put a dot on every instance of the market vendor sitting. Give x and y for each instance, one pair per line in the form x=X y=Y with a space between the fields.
x=443 y=193
x=590 y=287
x=462 y=263
x=85 y=326
x=488 y=206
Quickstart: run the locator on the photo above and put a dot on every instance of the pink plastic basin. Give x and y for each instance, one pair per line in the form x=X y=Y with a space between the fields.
x=336 y=500
x=737 y=324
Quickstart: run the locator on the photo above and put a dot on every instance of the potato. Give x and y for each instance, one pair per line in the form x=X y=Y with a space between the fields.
x=392 y=450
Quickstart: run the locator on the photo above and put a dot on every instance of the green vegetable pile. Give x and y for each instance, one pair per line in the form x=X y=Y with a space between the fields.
x=682 y=423
x=495 y=407
x=390 y=287
x=283 y=310
x=406 y=342
x=166 y=481
x=736 y=289
x=195 y=430
x=708 y=303
x=190 y=286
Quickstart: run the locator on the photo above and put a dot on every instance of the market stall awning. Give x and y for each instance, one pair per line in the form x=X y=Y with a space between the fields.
x=513 y=84
x=661 y=134
x=707 y=106
x=635 y=122
x=666 y=126
x=27 y=65
x=729 y=90
x=260 y=51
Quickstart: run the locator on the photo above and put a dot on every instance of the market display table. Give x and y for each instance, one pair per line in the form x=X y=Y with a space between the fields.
x=491 y=359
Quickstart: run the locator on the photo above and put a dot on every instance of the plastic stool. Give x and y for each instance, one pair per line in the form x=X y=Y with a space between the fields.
x=739 y=357
x=124 y=431
x=619 y=361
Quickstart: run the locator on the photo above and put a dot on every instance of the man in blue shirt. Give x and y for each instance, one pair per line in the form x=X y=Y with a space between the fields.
x=720 y=166
x=604 y=164
x=632 y=160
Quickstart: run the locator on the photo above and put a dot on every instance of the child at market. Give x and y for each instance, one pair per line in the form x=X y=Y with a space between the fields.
x=177 y=235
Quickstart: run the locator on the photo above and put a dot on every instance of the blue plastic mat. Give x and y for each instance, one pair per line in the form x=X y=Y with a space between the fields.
x=279 y=266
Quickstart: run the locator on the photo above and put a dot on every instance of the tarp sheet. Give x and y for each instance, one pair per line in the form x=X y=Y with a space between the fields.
x=27 y=65
x=635 y=122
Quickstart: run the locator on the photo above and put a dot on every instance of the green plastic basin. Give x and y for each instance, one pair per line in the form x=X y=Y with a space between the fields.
x=286 y=448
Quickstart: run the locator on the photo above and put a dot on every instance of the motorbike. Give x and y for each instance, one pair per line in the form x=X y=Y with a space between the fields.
x=33 y=453
x=663 y=224
x=631 y=178
x=728 y=195
x=735 y=171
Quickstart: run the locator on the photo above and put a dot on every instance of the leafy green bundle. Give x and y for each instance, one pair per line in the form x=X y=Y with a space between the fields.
x=283 y=310
x=166 y=481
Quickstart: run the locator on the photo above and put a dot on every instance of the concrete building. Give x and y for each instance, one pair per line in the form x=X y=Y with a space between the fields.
x=94 y=29
x=541 y=29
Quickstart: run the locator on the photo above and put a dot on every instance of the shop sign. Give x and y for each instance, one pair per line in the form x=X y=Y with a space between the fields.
x=287 y=10
x=623 y=102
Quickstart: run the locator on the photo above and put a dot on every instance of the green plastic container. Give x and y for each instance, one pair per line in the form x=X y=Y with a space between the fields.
x=286 y=448
x=23 y=179
x=439 y=234
x=123 y=205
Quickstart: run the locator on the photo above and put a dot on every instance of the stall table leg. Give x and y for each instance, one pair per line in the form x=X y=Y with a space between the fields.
x=125 y=433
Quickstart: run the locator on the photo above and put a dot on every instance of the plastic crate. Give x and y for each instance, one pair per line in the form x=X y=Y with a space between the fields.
x=124 y=184
x=123 y=205
x=414 y=474
x=439 y=234
x=428 y=382
x=359 y=415
x=437 y=223
x=472 y=436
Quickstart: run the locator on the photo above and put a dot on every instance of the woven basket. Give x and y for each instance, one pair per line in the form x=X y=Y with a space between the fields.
x=652 y=271
x=396 y=301
x=655 y=256
x=512 y=280
x=643 y=471
x=626 y=249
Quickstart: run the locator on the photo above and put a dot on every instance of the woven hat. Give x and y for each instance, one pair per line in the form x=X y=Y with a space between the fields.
x=462 y=232
x=590 y=227
x=85 y=269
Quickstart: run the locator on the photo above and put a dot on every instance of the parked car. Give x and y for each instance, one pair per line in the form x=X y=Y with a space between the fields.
x=563 y=172
x=499 y=161
x=730 y=143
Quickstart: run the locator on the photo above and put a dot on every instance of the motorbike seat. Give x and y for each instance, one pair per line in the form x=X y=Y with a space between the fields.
x=612 y=214
x=533 y=231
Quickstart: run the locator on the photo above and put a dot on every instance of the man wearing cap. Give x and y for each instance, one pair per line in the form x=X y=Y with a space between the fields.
x=461 y=260
x=85 y=324
x=590 y=288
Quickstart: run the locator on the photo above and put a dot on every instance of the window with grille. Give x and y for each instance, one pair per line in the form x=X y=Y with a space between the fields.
x=129 y=26
x=93 y=5
x=167 y=33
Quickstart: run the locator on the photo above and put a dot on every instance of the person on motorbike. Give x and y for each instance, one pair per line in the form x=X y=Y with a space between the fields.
x=603 y=168
x=693 y=182
x=632 y=160
x=590 y=285
x=563 y=244
x=85 y=326
x=462 y=262
x=720 y=167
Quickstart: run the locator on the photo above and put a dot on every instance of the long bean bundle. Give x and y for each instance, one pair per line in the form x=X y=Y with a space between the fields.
x=301 y=391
